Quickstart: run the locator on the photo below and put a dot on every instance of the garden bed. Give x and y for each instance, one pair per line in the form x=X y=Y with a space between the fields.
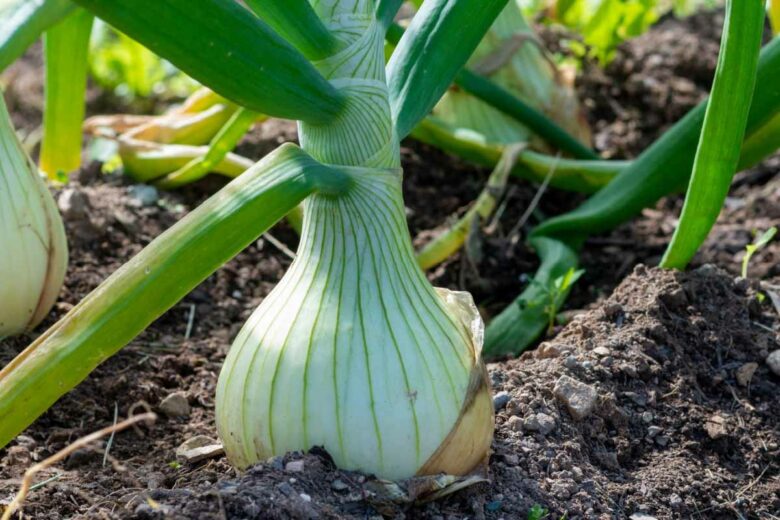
x=673 y=417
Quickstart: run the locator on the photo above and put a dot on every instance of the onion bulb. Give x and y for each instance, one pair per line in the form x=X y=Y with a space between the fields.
x=354 y=351
x=33 y=249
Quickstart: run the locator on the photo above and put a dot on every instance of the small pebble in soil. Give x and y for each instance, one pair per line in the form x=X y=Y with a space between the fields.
x=540 y=422
x=515 y=423
x=500 y=400
x=511 y=459
x=143 y=195
x=294 y=466
x=601 y=351
x=548 y=350
x=277 y=463
x=80 y=458
x=675 y=299
x=579 y=398
x=338 y=485
x=653 y=431
x=175 y=405
x=745 y=373
x=773 y=360
x=197 y=448
x=638 y=399
x=716 y=427
x=286 y=489
x=73 y=204
x=203 y=453
x=613 y=310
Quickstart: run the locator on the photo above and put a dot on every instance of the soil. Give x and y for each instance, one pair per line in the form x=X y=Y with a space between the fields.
x=671 y=426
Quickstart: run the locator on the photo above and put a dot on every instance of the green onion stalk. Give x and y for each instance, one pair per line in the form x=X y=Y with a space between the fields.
x=723 y=131
x=34 y=252
x=66 y=46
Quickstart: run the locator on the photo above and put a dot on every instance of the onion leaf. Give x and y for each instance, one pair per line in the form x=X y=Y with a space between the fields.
x=724 y=129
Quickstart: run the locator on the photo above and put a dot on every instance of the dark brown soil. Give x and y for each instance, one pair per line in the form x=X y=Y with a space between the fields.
x=672 y=433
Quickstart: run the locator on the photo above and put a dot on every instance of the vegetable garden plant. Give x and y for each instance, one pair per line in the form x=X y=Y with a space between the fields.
x=354 y=350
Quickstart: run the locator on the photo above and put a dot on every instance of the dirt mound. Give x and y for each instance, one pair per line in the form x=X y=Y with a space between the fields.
x=684 y=408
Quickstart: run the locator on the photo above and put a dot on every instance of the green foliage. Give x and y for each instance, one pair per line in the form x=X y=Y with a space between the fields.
x=298 y=23
x=665 y=166
x=537 y=513
x=606 y=23
x=751 y=249
x=65 y=56
x=124 y=66
x=557 y=292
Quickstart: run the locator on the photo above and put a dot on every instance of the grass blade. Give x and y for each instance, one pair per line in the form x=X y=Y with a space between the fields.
x=723 y=131
x=66 y=46
x=224 y=46
x=155 y=280
x=23 y=21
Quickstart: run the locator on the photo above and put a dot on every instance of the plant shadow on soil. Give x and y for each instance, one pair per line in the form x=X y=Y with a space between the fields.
x=678 y=409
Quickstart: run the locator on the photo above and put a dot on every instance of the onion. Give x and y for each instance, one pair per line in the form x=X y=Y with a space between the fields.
x=354 y=350
x=33 y=249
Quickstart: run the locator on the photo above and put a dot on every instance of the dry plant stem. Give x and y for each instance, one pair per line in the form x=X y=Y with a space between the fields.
x=451 y=240
x=18 y=501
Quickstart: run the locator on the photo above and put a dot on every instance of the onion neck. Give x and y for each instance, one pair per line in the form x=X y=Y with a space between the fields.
x=363 y=133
